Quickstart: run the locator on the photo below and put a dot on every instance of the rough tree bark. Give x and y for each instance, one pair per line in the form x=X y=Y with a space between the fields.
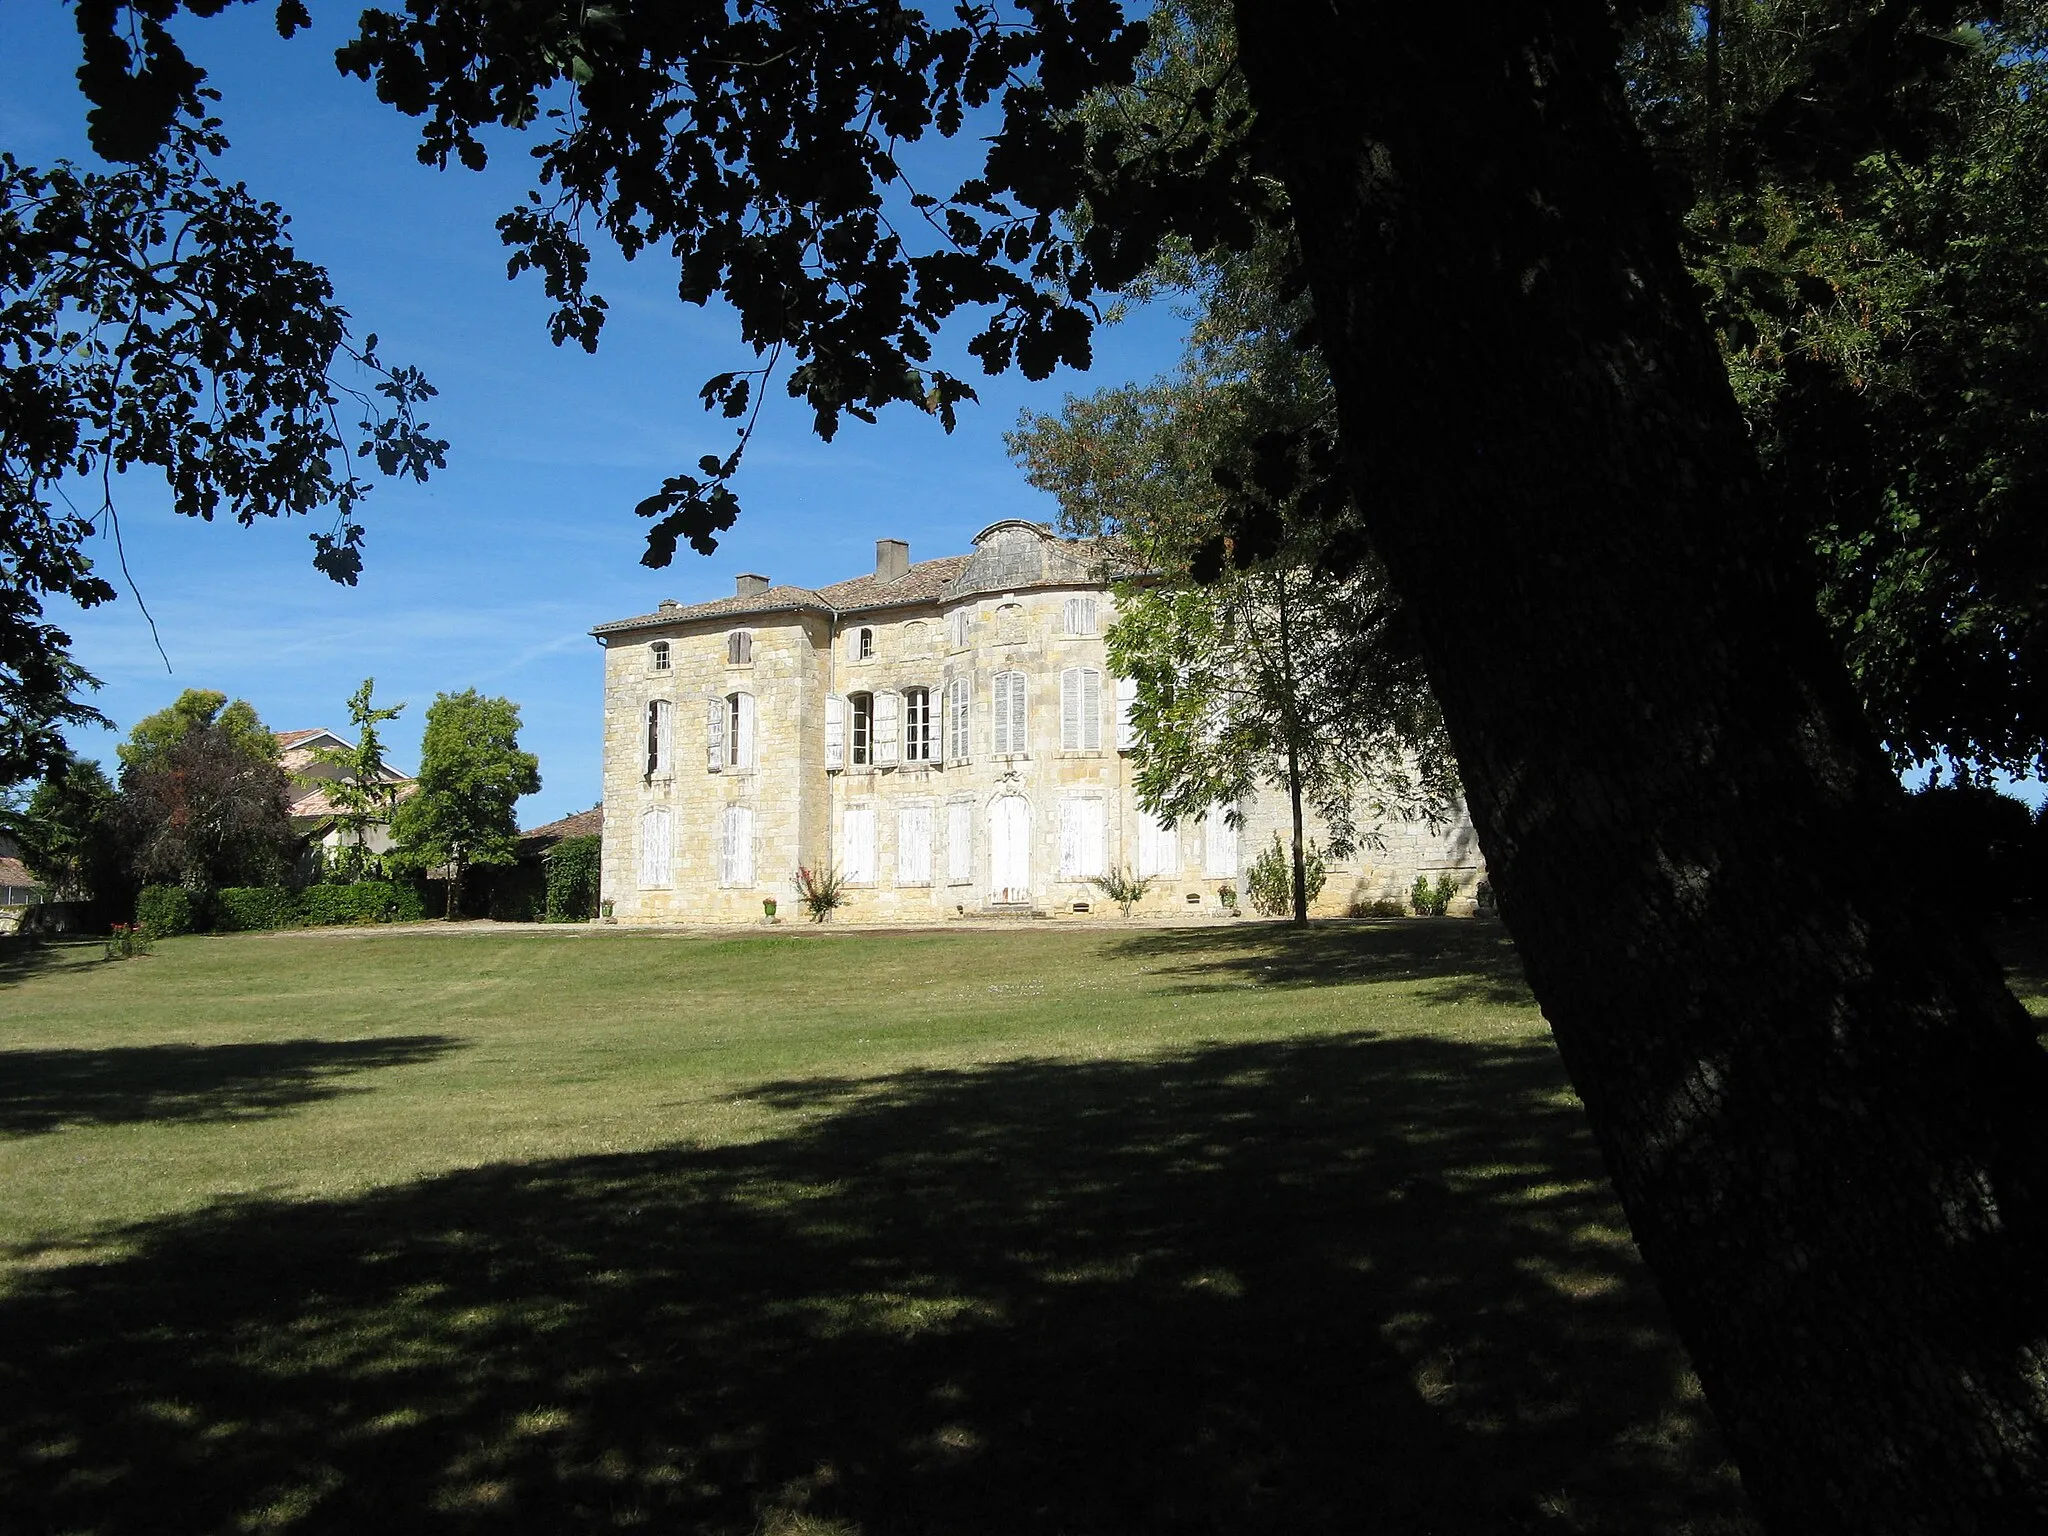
x=1826 y=1117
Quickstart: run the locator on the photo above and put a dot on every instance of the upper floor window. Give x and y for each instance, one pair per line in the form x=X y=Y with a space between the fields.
x=918 y=736
x=1010 y=624
x=956 y=720
x=660 y=738
x=739 y=732
x=658 y=655
x=863 y=643
x=1009 y=714
x=959 y=627
x=1080 y=710
x=1080 y=616
x=739 y=648
x=863 y=743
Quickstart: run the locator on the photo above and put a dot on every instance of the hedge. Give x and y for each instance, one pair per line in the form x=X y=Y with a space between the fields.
x=252 y=908
x=165 y=911
x=367 y=901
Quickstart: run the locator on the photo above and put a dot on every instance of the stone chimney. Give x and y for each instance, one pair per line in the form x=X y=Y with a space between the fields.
x=892 y=560
x=751 y=585
x=668 y=605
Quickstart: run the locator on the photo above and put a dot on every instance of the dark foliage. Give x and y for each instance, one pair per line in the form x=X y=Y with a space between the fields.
x=208 y=813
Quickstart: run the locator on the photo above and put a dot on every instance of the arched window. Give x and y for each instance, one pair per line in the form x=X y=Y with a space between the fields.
x=1009 y=713
x=1080 y=616
x=660 y=739
x=658 y=655
x=956 y=720
x=918 y=735
x=655 y=842
x=1010 y=624
x=863 y=643
x=739 y=648
x=862 y=747
x=739 y=732
x=1080 y=710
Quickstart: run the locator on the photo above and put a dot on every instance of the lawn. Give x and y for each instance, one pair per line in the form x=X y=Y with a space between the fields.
x=1198 y=1230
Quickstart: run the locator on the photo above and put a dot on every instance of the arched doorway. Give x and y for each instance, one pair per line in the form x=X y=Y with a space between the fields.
x=1009 y=850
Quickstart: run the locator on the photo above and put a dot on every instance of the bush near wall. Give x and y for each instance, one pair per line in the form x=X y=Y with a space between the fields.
x=572 y=870
x=253 y=908
x=164 y=911
x=367 y=901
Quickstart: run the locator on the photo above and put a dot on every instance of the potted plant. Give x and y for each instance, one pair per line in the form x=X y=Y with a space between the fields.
x=768 y=908
x=604 y=911
x=1227 y=894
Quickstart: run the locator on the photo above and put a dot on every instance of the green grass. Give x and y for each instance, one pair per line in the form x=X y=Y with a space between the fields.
x=1037 y=1232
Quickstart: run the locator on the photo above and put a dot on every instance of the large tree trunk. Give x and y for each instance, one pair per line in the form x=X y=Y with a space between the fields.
x=1826 y=1117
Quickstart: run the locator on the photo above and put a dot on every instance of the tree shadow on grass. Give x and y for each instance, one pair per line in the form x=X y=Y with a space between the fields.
x=46 y=1090
x=26 y=955
x=1363 y=1284
x=1461 y=960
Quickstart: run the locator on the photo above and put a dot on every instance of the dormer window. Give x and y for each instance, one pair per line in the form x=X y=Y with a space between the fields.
x=863 y=644
x=739 y=648
x=658 y=655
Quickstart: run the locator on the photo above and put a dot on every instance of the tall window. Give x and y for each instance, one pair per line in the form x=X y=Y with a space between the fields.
x=956 y=720
x=1219 y=845
x=1082 y=826
x=1009 y=713
x=835 y=732
x=857 y=845
x=960 y=842
x=1126 y=696
x=739 y=648
x=736 y=846
x=739 y=732
x=1080 y=710
x=914 y=845
x=1158 y=847
x=1080 y=616
x=918 y=736
x=1010 y=624
x=658 y=652
x=863 y=643
x=654 y=847
x=863 y=743
x=660 y=739
x=958 y=628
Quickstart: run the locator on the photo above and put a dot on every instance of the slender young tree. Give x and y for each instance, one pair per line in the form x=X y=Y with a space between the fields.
x=364 y=796
x=471 y=777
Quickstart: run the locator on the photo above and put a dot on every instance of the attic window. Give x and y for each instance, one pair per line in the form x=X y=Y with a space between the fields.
x=863 y=644
x=1080 y=616
x=739 y=648
x=659 y=652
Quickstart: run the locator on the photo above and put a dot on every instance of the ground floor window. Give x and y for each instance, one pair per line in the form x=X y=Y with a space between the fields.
x=914 y=845
x=736 y=846
x=1158 y=847
x=960 y=842
x=857 y=845
x=656 y=841
x=1083 y=826
x=1219 y=846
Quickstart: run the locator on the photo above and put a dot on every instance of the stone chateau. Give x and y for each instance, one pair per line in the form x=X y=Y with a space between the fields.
x=946 y=733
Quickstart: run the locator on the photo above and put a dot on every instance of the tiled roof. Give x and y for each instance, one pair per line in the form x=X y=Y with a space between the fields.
x=14 y=872
x=1065 y=562
x=293 y=738
x=583 y=824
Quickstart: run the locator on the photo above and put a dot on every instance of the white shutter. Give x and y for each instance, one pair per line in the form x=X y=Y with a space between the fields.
x=743 y=750
x=1070 y=839
x=960 y=841
x=1091 y=709
x=914 y=845
x=1080 y=616
x=725 y=845
x=887 y=709
x=835 y=731
x=654 y=848
x=1083 y=821
x=956 y=720
x=714 y=734
x=736 y=847
x=999 y=715
x=1158 y=847
x=1070 y=710
x=1126 y=696
x=857 y=844
x=1219 y=846
x=1093 y=838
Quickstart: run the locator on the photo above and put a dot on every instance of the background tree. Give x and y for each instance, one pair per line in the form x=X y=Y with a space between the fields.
x=69 y=831
x=363 y=797
x=471 y=776
x=212 y=807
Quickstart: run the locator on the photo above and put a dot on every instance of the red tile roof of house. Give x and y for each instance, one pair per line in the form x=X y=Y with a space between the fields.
x=583 y=824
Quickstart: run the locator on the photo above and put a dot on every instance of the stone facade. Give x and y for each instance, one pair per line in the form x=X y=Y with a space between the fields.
x=947 y=734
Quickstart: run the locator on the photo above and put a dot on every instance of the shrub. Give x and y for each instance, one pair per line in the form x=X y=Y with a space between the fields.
x=1380 y=907
x=1270 y=880
x=1123 y=887
x=822 y=891
x=163 y=911
x=572 y=873
x=252 y=908
x=125 y=941
x=367 y=901
x=1432 y=900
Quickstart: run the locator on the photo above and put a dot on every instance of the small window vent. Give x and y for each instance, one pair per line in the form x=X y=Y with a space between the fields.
x=1080 y=906
x=1194 y=898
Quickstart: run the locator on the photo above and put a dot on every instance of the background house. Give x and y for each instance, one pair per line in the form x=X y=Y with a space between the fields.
x=312 y=807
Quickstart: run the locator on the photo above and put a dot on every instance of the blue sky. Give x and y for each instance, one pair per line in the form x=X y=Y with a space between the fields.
x=490 y=575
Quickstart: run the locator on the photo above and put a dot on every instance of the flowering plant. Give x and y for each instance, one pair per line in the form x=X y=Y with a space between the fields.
x=822 y=891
